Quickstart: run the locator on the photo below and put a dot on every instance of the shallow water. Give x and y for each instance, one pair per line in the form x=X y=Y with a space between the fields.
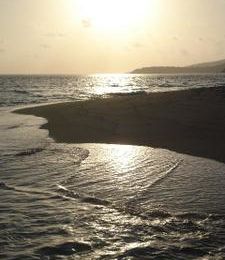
x=98 y=201
x=35 y=89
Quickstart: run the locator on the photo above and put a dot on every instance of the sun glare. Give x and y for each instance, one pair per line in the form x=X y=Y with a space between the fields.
x=115 y=14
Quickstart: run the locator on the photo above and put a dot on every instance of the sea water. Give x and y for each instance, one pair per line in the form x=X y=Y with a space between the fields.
x=101 y=201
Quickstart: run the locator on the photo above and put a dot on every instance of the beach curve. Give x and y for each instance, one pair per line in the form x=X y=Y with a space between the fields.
x=188 y=121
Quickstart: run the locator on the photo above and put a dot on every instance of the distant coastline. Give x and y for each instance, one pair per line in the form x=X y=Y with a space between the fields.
x=209 y=67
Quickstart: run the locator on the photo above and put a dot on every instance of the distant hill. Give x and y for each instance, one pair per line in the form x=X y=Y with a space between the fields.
x=208 y=67
x=210 y=64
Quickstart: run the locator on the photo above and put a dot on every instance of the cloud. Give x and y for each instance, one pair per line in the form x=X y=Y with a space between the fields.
x=86 y=23
x=219 y=43
x=138 y=45
x=54 y=35
x=184 y=52
x=49 y=34
x=45 y=46
x=61 y=34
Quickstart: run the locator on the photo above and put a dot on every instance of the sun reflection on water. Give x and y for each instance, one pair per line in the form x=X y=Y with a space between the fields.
x=112 y=83
x=123 y=157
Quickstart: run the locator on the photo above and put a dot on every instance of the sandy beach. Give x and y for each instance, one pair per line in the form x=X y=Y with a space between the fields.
x=189 y=122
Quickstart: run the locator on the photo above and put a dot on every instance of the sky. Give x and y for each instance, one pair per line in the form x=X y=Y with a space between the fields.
x=108 y=36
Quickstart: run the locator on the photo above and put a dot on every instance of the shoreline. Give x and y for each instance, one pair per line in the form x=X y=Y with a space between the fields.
x=187 y=121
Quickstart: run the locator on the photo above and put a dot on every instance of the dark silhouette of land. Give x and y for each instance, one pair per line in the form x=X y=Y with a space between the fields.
x=210 y=67
x=190 y=121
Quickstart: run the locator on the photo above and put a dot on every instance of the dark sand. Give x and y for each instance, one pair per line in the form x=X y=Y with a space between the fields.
x=190 y=122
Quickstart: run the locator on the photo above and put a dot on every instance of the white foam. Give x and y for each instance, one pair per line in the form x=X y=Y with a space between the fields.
x=20 y=132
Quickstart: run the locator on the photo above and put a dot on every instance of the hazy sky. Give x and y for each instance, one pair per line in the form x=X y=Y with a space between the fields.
x=88 y=36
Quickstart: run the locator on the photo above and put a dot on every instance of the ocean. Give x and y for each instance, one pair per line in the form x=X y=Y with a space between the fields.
x=103 y=201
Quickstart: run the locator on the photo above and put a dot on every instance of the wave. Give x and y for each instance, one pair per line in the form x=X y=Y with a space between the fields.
x=166 y=173
x=65 y=194
x=95 y=201
x=29 y=152
x=147 y=234
x=82 y=197
x=78 y=152
x=135 y=211
x=143 y=252
x=13 y=127
x=192 y=215
x=4 y=186
x=127 y=94
x=65 y=249
x=21 y=91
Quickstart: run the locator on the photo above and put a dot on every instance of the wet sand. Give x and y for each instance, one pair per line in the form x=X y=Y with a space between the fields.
x=190 y=121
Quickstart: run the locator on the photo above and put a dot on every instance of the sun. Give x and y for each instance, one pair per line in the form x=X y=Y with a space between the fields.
x=115 y=15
